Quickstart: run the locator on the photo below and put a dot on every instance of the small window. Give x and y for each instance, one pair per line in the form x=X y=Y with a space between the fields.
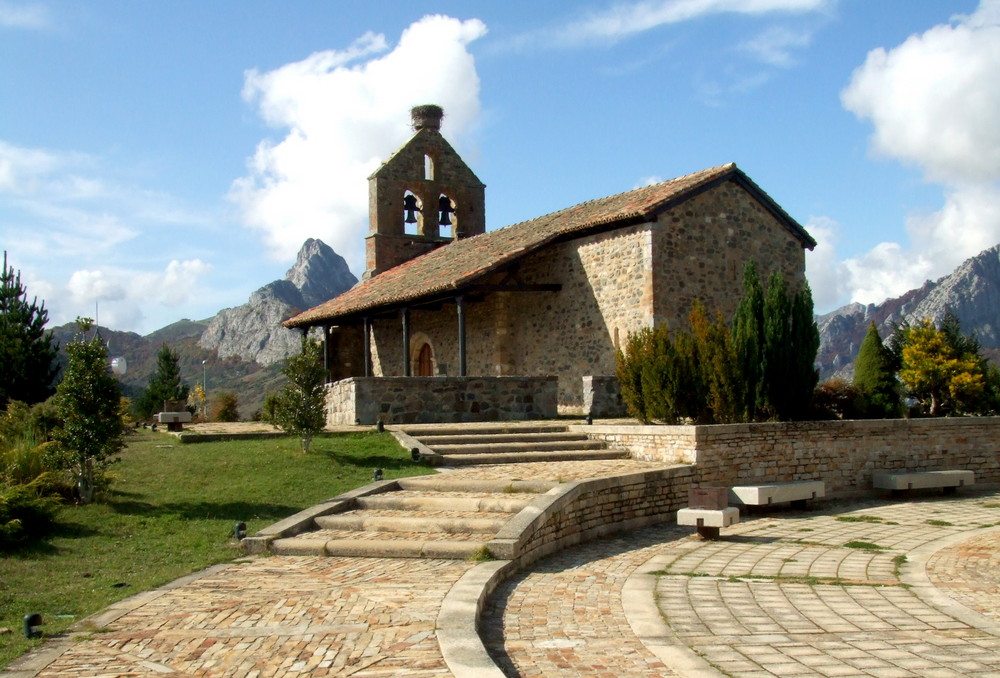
x=428 y=168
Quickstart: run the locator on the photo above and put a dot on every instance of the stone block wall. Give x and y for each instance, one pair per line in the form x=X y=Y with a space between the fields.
x=409 y=400
x=844 y=454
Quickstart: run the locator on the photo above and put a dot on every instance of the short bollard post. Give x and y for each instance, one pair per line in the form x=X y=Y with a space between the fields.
x=33 y=625
x=708 y=510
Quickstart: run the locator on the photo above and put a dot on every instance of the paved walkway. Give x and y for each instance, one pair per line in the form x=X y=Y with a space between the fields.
x=815 y=593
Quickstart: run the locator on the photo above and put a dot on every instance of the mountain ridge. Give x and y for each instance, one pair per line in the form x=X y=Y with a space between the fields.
x=971 y=292
x=240 y=349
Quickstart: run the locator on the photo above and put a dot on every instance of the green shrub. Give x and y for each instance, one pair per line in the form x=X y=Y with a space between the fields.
x=26 y=511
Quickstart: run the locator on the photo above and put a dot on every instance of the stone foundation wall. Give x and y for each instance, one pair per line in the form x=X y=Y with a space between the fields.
x=409 y=400
x=844 y=454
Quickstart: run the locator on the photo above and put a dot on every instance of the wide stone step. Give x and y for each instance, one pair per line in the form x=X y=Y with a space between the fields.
x=512 y=503
x=525 y=457
x=374 y=547
x=441 y=483
x=495 y=438
x=429 y=432
x=362 y=522
x=513 y=448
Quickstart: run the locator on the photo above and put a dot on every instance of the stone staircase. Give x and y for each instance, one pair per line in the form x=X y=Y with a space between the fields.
x=423 y=517
x=437 y=516
x=463 y=445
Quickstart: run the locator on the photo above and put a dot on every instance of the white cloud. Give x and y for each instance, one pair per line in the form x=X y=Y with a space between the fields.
x=345 y=112
x=933 y=103
x=774 y=45
x=625 y=19
x=934 y=99
x=27 y=15
x=825 y=274
x=130 y=294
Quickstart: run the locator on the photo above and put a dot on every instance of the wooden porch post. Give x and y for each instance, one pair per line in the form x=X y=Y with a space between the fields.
x=460 y=305
x=404 y=314
x=326 y=351
x=368 y=346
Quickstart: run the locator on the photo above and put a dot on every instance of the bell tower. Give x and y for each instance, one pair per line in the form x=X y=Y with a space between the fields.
x=421 y=198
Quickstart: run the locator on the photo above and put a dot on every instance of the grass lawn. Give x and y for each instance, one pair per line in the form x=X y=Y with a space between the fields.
x=170 y=511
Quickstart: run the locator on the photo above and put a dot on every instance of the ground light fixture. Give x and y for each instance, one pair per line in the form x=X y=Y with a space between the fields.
x=32 y=625
x=415 y=454
x=240 y=531
x=377 y=475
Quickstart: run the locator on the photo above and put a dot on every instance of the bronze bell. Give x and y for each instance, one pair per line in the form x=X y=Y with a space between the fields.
x=410 y=207
x=445 y=209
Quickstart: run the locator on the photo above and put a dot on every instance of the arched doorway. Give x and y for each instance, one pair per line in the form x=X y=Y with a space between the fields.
x=425 y=362
x=422 y=362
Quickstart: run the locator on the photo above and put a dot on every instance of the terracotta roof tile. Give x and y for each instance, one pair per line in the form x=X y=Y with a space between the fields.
x=462 y=262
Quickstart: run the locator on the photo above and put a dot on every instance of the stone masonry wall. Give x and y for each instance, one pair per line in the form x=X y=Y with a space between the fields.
x=700 y=248
x=844 y=454
x=408 y=400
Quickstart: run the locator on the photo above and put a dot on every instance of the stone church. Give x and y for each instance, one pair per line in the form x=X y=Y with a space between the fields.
x=451 y=322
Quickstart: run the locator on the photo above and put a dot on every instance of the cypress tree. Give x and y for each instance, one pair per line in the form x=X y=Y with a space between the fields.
x=748 y=342
x=875 y=377
x=776 y=358
x=805 y=346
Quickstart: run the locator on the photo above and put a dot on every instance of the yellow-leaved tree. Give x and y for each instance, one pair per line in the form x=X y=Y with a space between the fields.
x=942 y=377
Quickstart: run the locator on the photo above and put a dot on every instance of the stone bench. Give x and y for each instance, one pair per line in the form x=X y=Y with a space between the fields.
x=797 y=492
x=901 y=481
x=174 y=420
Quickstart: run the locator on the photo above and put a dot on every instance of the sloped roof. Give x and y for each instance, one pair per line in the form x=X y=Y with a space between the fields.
x=458 y=264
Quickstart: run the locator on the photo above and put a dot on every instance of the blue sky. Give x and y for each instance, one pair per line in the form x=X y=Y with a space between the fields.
x=165 y=160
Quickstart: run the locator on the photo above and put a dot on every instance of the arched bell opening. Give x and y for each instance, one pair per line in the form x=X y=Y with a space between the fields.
x=412 y=214
x=447 y=219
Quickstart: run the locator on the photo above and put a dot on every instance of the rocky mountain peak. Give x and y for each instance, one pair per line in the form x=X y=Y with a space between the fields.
x=253 y=331
x=319 y=273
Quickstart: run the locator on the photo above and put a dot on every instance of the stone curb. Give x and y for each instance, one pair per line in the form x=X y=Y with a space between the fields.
x=458 y=621
x=914 y=574
x=647 y=623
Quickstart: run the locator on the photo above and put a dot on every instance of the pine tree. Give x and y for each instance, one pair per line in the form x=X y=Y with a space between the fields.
x=165 y=384
x=875 y=377
x=27 y=351
x=88 y=402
